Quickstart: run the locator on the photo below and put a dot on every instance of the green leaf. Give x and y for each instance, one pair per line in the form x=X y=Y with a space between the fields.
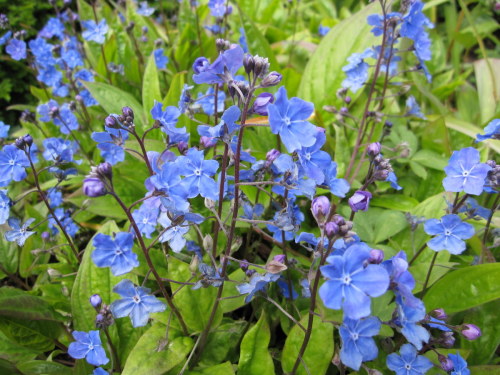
x=13 y=352
x=430 y=159
x=319 y=351
x=220 y=344
x=112 y=99
x=418 y=170
x=470 y=130
x=91 y=280
x=432 y=207
x=323 y=74
x=154 y=355
x=397 y=202
x=223 y=369
x=7 y=367
x=488 y=87
x=175 y=89
x=150 y=86
x=17 y=304
x=44 y=368
x=254 y=355
x=485 y=370
x=367 y=224
x=465 y=288
x=32 y=334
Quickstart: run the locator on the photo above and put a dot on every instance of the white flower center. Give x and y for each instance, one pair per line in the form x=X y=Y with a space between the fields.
x=347 y=279
x=354 y=336
x=287 y=120
x=12 y=162
x=197 y=172
x=447 y=232
x=136 y=299
x=91 y=347
x=145 y=221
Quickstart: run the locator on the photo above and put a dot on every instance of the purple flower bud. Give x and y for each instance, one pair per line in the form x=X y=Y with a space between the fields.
x=376 y=256
x=374 y=149
x=272 y=155
x=94 y=187
x=344 y=110
x=200 y=65
x=128 y=112
x=446 y=363
x=272 y=79
x=320 y=207
x=110 y=122
x=279 y=258
x=207 y=142
x=439 y=314
x=182 y=147
x=261 y=102
x=471 y=331
x=360 y=200
x=20 y=144
x=106 y=170
x=448 y=340
x=28 y=139
x=244 y=265
x=95 y=301
x=45 y=236
x=331 y=229
x=347 y=99
x=249 y=273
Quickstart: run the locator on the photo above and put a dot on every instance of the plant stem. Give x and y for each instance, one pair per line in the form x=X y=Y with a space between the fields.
x=424 y=289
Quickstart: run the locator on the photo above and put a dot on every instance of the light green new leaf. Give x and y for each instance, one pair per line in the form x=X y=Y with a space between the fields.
x=154 y=355
x=465 y=288
x=470 y=130
x=150 y=86
x=223 y=369
x=254 y=356
x=488 y=87
x=319 y=351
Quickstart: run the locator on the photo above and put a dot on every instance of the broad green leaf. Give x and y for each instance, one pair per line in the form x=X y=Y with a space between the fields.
x=465 y=288
x=150 y=86
x=319 y=351
x=44 y=368
x=470 y=130
x=223 y=369
x=220 y=344
x=397 y=202
x=488 y=86
x=418 y=169
x=194 y=305
x=112 y=99
x=368 y=224
x=13 y=352
x=91 y=280
x=16 y=304
x=430 y=159
x=32 y=334
x=432 y=207
x=254 y=355
x=7 y=367
x=323 y=75
x=154 y=355
x=485 y=370
x=175 y=89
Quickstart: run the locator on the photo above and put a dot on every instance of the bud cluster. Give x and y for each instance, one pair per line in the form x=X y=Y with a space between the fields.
x=24 y=143
x=338 y=226
x=99 y=180
x=382 y=168
x=493 y=177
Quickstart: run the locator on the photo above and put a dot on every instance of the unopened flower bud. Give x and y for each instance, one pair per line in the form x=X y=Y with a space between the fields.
x=320 y=207
x=208 y=242
x=344 y=110
x=207 y=142
x=261 y=102
x=182 y=147
x=93 y=187
x=95 y=301
x=272 y=155
x=45 y=236
x=128 y=112
x=105 y=169
x=446 y=363
x=439 y=314
x=374 y=149
x=261 y=66
x=20 y=143
x=222 y=45
x=376 y=256
x=249 y=273
x=448 y=340
x=111 y=122
x=471 y=331
x=272 y=79
x=331 y=229
x=244 y=265
x=360 y=200
x=347 y=99
x=275 y=267
x=279 y=258
x=248 y=63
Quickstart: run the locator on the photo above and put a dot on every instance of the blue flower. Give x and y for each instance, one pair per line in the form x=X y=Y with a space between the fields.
x=491 y=131
x=115 y=253
x=226 y=127
x=414 y=21
x=18 y=233
x=59 y=150
x=42 y=52
x=459 y=365
x=5 y=204
x=144 y=9
x=54 y=27
x=4 y=130
x=16 y=49
x=257 y=283
x=95 y=32
x=207 y=101
x=408 y=317
x=100 y=371
x=243 y=40
x=350 y=282
x=377 y=21
x=66 y=221
x=168 y=118
x=198 y=174
x=111 y=143
x=54 y=196
x=218 y=8
x=161 y=60
x=288 y=118
x=323 y=30
x=473 y=210
x=358 y=344
x=88 y=346
x=168 y=181
x=393 y=179
x=402 y=281
x=146 y=218
x=413 y=109
x=464 y=172
x=62 y=116
x=185 y=98
x=136 y=303
x=450 y=232
x=5 y=37
x=13 y=162
x=356 y=70
x=49 y=75
x=338 y=186
x=408 y=362
x=175 y=234
x=231 y=59
x=285 y=289
x=252 y=212
x=313 y=160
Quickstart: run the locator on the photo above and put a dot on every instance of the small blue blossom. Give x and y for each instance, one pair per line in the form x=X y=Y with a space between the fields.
x=413 y=109
x=185 y=98
x=450 y=231
x=459 y=365
x=115 y=253
x=464 y=172
x=252 y=212
x=338 y=186
x=207 y=101
x=88 y=345
x=393 y=180
x=491 y=131
x=5 y=37
x=358 y=344
x=5 y=204
x=226 y=127
x=95 y=32
x=168 y=181
x=62 y=116
x=218 y=8
x=168 y=118
x=161 y=60
x=285 y=289
x=144 y=9
x=49 y=75
x=288 y=118
x=18 y=232
x=408 y=362
x=377 y=21
x=136 y=303
x=402 y=281
x=16 y=49
x=59 y=150
x=473 y=210
x=323 y=30
x=174 y=235
x=111 y=143
x=13 y=162
x=146 y=218
x=350 y=282
x=54 y=196
x=356 y=70
x=42 y=52
x=66 y=221
x=408 y=317
x=313 y=160
x=4 y=130
x=258 y=282
x=231 y=59
x=53 y=27
x=198 y=174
